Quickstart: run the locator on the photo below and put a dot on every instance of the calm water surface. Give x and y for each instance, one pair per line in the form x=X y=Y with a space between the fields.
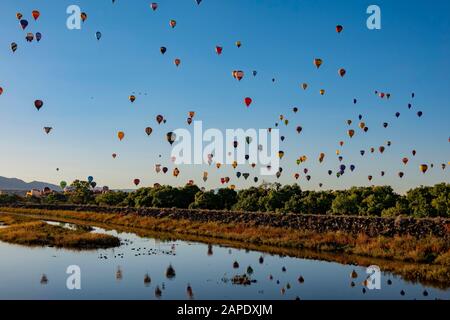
x=119 y=274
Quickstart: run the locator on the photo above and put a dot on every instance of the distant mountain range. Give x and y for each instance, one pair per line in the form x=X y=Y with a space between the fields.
x=17 y=184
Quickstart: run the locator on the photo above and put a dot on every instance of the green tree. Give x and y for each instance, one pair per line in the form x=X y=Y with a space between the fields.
x=227 y=198
x=112 y=198
x=82 y=193
x=206 y=200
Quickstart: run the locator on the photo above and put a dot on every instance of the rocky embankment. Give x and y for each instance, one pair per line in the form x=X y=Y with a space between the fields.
x=372 y=226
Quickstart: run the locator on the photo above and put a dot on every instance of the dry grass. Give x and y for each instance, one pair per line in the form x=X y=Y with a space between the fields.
x=415 y=259
x=38 y=233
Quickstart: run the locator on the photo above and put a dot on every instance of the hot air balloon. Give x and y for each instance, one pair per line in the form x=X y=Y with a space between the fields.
x=401 y=174
x=381 y=149
x=339 y=28
x=1 y=91
x=238 y=44
x=172 y=23
x=397 y=114
x=13 y=47
x=296 y=176
x=38 y=36
x=423 y=168
x=19 y=15
x=36 y=14
x=352 y=167
x=198 y=2
x=354 y=102
x=295 y=109
x=132 y=98
x=90 y=179
x=83 y=16
x=317 y=63
x=120 y=135
x=419 y=113
x=321 y=157
x=248 y=101
x=342 y=72
x=63 y=184
x=148 y=131
x=159 y=119
x=238 y=74
x=176 y=172
x=162 y=50
x=136 y=182
x=405 y=160
x=191 y=114
x=38 y=104
x=370 y=178
x=280 y=154
x=29 y=37
x=219 y=50
x=322 y=92
x=98 y=35
x=23 y=24
x=304 y=86
x=351 y=133
x=114 y=155
x=177 y=62
x=413 y=152
x=154 y=6
x=171 y=137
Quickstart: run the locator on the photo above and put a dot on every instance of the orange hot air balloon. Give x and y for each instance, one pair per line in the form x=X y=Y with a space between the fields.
x=248 y=101
x=405 y=160
x=317 y=62
x=339 y=28
x=342 y=72
x=120 y=135
x=218 y=165
x=191 y=114
x=19 y=16
x=322 y=92
x=351 y=133
x=177 y=62
x=423 y=168
x=176 y=172
x=321 y=157
x=36 y=14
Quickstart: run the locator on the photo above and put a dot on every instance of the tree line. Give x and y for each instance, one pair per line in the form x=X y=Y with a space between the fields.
x=423 y=201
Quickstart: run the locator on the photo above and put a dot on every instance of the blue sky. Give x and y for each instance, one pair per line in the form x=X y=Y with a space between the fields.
x=85 y=85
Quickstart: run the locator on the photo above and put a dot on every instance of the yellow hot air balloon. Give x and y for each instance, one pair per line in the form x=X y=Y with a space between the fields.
x=234 y=165
x=423 y=168
x=218 y=165
x=322 y=92
x=238 y=44
x=120 y=135
x=280 y=154
x=338 y=152
x=362 y=125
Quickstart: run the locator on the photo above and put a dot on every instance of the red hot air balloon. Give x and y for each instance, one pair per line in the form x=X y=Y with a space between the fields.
x=136 y=182
x=36 y=14
x=339 y=28
x=248 y=101
x=1 y=91
x=177 y=62
x=219 y=50
x=38 y=104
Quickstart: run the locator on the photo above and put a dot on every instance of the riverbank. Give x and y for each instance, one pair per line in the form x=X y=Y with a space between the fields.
x=428 y=257
x=27 y=231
